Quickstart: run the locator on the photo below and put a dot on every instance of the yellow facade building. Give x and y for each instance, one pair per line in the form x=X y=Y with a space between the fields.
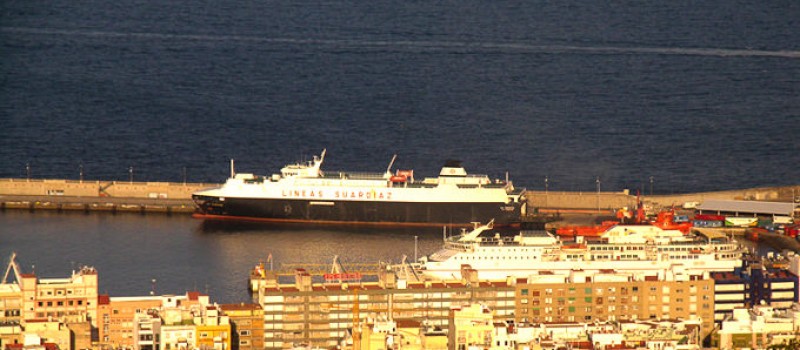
x=213 y=330
x=470 y=327
x=614 y=296
x=247 y=322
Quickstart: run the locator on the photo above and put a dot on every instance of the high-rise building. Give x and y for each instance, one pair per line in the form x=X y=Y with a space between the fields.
x=613 y=296
x=247 y=322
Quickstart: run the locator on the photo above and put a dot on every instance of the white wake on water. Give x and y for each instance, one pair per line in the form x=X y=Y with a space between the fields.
x=406 y=45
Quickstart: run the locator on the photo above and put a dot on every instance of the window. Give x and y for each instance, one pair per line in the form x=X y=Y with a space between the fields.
x=245 y=332
x=524 y=291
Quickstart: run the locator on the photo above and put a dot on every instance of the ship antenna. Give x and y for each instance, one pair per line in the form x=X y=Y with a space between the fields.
x=322 y=156
x=389 y=168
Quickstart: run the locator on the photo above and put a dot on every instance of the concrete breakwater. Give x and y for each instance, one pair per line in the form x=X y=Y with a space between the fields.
x=175 y=197
x=110 y=196
x=607 y=202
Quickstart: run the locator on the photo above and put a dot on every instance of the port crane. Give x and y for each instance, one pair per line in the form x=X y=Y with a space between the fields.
x=12 y=264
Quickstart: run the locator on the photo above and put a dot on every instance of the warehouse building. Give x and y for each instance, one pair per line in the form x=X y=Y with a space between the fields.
x=748 y=208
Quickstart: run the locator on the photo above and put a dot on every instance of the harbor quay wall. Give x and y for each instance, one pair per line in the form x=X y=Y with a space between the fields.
x=165 y=196
x=77 y=188
x=111 y=196
x=611 y=201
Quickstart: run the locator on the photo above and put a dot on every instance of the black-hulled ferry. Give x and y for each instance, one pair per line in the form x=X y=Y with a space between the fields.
x=302 y=193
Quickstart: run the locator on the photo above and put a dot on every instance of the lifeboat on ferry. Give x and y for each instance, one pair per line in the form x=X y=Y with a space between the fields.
x=398 y=178
x=402 y=176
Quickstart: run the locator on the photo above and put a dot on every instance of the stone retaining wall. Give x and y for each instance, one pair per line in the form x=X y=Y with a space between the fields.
x=75 y=188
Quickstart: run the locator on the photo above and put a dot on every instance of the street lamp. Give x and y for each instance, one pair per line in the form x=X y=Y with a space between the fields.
x=545 y=190
x=545 y=184
x=598 y=193
x=80 y=170
x=28 y=170
x=130 y=171
x=651 y=185
x=415 y=249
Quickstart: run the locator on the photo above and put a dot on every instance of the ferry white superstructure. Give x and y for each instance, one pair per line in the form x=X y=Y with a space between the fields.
x=302 y=192
x=625 y=248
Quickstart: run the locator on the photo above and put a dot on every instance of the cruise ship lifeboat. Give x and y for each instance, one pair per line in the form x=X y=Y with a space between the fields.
x=398 y=178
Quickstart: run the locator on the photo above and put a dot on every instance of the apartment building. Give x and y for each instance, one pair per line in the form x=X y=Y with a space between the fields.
x=247 y=325
x=614 y=296
x=319 y=314
x=10 y=314
x=117 y=315
x=72 y=299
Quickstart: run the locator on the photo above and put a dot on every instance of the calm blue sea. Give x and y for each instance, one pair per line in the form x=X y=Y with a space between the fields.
x=700 y=95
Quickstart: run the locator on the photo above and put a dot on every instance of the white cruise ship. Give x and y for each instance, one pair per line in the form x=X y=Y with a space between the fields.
x=624 y=248
x=303 y=193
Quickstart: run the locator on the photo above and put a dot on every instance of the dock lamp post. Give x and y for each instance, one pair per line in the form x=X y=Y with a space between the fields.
x=80 y=171
x=28 y=170
x=598 y=193
x=130 y=172
x=651 y=185
x=545 y=190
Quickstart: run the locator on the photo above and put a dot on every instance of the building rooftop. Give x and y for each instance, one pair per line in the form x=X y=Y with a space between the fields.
x=772 y=208
x=240 y=306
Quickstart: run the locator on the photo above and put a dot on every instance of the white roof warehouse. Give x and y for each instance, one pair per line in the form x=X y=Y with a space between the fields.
x=747 y=207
